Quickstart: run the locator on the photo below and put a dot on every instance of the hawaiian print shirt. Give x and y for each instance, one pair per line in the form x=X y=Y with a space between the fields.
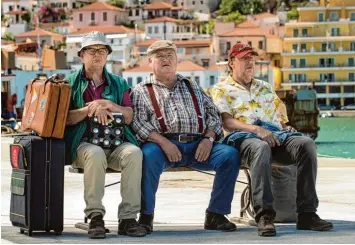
x=260 y=103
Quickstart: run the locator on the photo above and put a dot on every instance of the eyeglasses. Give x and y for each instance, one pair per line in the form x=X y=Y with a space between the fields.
x=93 y=51
x=168 y=56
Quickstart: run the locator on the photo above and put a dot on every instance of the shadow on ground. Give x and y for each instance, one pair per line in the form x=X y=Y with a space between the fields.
x=344 y=232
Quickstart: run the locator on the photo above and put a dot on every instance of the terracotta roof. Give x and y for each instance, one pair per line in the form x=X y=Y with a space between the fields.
x=39 y=31
x=105 y=30
x=263 y=16
x=237 y=32
x=182 y=66
x=159 y=5
x=188 y=65
x=99 y=6
x=162 y=19
x=187 y=43
x=54 y=24
x=213 y=67
x=13 y=12
x=247 y=24
x=33 y=55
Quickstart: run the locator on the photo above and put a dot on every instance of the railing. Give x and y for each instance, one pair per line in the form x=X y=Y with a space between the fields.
x=318 y=51
x=321 y=66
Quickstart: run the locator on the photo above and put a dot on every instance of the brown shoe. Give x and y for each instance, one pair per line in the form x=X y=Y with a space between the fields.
x=97 y=228
x=214 y=221
x=266 y=225
x=311 y=221
x=130 y=227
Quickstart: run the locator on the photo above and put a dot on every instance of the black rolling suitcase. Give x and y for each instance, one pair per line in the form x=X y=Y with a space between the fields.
x=37 y=184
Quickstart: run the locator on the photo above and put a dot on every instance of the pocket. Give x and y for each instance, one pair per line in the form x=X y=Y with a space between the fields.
x=18 y=202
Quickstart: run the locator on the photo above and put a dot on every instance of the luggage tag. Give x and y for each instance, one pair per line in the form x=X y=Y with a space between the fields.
x=17 y=156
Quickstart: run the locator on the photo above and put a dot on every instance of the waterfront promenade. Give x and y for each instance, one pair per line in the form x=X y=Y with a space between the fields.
x=181 y=201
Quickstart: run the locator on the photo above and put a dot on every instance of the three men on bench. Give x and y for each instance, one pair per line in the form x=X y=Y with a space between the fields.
x=256 y=119
x=179 y=125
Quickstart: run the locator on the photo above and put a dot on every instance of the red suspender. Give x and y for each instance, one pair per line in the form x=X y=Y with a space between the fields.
x=156 y=108
x=197 y=108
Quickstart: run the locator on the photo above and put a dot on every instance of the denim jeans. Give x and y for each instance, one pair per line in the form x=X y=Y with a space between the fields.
x=224 y=160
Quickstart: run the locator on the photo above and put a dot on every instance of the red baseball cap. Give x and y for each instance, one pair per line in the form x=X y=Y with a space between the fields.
x=239 y=50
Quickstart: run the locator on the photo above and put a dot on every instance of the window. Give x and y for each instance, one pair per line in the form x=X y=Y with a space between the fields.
x=352 y=16
x=65 y=5
x=293 y=63
x=130 y=12
x=180 y=50
x=324 y=47
x=193 y=2
x=295 y=47
x=212 y=80
x=156 y=29
x=295 y=32
x=334 y=16
x=350 y=61
x=80 y=17
x=92 y=16
x=137 y=12
x=322 y=62
x=330 y=62
x=277 y=63
x=351 y=76
x=303 y=47
x=335 y=31
x=201 y=2
x=331 y=46
x=104 y=16
x=205 y=62
x=129 y=81
x=352 y=46
x=261 y=45
x=304 y=32
x=11 y=8
x=139 y=79
x=302 y=62
x=150 y=29
x=228 y=47
x=197 y=80
x=321 y=17
x=250 y=44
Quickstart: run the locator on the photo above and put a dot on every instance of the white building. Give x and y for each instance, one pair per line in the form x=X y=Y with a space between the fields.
x=172 y=29
x=201 y=75
x=15 y=5
x=120 y=38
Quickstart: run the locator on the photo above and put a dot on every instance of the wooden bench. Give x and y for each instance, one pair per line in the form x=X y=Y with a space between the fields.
x=245 y=201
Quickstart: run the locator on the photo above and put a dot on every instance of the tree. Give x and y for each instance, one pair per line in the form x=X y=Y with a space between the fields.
x=292 y=14
x=26 y=17
x=117 y=3
x=242 y=6
x=9 y=36
x=236 y=17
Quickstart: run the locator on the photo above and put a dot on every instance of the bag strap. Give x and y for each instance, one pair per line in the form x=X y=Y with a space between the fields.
x=157 y=109
x=197 y=108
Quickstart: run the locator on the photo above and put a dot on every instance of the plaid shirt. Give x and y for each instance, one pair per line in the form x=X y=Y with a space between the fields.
x=176 y=106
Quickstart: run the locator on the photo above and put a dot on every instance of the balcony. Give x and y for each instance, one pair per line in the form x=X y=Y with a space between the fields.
x=319 y=67
x=312 y=51
x=319 y=83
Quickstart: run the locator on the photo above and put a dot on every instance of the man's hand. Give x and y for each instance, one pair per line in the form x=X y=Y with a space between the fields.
x=203 y=150
x=103 y=115
x=289 y=129
x=266 y=136
x=171 y=151
x=98 y=105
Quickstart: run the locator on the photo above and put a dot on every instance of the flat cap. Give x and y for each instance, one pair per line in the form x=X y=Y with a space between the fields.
x=161 y=44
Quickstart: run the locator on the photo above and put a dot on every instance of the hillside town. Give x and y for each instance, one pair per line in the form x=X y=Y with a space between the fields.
x=300 y=43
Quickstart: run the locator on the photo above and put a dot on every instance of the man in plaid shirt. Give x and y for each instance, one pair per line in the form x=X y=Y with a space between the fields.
x=178 y=125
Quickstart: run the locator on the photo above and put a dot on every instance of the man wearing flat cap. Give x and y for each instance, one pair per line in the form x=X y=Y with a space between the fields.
x=179 y=125
x=97 y=92
x=255 y=119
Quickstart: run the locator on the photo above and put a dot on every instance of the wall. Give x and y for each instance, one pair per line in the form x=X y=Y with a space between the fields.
x=111 y=18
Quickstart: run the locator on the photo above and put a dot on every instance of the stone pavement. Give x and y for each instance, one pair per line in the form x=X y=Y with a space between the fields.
x=181 y=201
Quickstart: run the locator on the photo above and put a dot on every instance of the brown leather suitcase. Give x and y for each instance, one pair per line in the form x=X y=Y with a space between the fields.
x=46 y=107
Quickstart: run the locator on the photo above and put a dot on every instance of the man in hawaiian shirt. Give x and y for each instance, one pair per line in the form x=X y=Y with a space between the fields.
x=255 y=119
x=178 y=125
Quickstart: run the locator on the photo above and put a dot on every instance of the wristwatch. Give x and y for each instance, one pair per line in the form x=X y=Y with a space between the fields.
x=211 y=139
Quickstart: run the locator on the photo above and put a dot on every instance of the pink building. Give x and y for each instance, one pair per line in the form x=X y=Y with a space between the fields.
x=99 y=14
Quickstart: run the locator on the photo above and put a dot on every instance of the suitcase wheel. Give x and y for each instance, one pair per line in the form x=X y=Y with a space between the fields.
x=48 y=230
x=30 y=232
x=22 y=231
x=58 y=233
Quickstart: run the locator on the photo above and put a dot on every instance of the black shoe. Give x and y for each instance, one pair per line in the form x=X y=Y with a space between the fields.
x=214 y=221
x=130 y=227
x=311 y=221
x=266 y=225
x=146 y=221
x=97 y=228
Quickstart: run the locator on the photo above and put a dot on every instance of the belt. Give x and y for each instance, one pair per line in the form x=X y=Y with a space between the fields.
x=183 y=138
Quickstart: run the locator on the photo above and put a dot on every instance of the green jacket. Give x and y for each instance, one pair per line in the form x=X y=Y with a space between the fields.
x=113 y=92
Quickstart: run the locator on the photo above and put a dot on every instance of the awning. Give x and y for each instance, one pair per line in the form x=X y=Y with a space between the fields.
x=116 y=35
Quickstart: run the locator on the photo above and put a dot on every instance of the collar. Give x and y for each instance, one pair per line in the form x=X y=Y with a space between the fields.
x=151 y=79
x=105 y=80
x=229 y=80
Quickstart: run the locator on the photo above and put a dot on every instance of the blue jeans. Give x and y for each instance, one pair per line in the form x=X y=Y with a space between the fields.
x=224 y=160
